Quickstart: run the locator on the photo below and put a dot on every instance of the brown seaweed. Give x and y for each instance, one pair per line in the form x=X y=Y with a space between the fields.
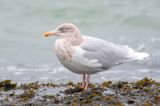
x=145 y=92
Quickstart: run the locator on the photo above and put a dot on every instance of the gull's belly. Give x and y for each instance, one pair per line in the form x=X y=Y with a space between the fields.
x=74 y=66
x=78 y=64
x=80 y=68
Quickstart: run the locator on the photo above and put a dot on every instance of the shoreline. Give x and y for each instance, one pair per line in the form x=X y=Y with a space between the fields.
x=142 y=92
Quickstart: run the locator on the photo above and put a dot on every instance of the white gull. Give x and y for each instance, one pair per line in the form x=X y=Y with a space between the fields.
x=88 y=55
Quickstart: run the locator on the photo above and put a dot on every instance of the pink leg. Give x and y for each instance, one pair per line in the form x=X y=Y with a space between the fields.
x=87 y=81
x=84 y=83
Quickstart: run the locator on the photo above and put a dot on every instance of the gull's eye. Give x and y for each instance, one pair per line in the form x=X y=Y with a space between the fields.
x=65 y=29
x=62 y=29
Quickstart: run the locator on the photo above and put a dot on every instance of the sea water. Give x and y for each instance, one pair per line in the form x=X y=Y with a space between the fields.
x=26 y=56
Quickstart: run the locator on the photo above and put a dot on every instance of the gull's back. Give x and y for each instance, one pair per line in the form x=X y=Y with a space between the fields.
x=108 y=54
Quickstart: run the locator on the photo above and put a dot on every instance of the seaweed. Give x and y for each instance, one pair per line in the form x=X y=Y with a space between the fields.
x=144 y=83
x=28 y=94
x=7 y=85
x=145 y=92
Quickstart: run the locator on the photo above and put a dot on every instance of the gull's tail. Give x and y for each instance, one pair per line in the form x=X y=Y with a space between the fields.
x=140 y=55
x=133 y=55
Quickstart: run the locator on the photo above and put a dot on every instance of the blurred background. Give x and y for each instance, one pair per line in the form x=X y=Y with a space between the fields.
x=26 y=56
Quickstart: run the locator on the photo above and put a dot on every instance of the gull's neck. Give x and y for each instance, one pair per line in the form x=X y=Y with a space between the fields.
x=73 y=40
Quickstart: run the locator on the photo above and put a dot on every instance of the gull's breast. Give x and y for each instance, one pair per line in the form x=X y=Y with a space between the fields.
x=65 y=53
x=63 y=50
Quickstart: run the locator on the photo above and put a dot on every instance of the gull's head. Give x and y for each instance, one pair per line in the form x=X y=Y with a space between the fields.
x=64 y=30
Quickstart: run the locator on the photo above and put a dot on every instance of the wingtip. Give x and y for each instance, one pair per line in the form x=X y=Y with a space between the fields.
x=141 y=56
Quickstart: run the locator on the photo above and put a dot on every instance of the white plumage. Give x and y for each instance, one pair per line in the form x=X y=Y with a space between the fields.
x=95 y=55
x=89 y=55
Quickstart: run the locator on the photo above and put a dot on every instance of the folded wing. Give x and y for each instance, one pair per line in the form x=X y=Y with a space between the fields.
x=108 y=54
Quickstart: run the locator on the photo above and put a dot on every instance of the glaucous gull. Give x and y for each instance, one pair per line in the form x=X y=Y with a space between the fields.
x=88 y=55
